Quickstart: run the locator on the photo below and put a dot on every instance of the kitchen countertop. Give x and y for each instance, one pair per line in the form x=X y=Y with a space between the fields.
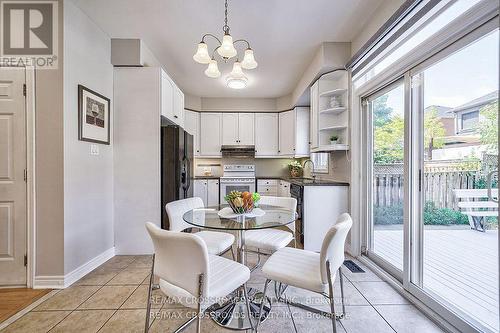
x=205 y=177
x=308 y=181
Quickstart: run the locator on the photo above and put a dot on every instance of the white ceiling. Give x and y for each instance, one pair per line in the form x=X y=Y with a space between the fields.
x=285 y=34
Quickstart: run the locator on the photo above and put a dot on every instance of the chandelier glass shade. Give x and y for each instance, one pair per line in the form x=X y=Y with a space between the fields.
x=226 y=50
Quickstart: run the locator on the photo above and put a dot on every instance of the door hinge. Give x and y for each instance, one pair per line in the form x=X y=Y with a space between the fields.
x=25 y=175
x=24 y=89
x=25 y=260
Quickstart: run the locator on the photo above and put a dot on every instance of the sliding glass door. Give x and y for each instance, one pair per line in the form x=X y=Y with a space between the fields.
x=386 y=143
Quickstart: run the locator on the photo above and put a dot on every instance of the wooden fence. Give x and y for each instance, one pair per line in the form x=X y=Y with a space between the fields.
x=388 y=185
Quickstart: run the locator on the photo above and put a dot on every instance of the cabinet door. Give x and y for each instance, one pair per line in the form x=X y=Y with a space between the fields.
x=167 y=97
x=213 y=192
x=200 y=190
x=230 y=129
x=287 y=133
x=192 y=126
x=313 y=132
x=285 y=189
x=246 y=131
x=210 y=134
x=266 y=134
x=178 y=106
x=302 y=120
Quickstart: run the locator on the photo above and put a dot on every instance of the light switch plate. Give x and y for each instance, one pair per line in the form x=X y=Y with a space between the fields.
x=94 y=150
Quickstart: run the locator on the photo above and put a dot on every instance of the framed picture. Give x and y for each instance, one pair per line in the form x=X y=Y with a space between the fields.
x=93 y=116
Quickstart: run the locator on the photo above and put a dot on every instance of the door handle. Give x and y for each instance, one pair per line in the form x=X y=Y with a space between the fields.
x=490 y=178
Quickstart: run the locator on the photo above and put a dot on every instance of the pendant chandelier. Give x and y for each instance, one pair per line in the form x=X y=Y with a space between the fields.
x=226 y=50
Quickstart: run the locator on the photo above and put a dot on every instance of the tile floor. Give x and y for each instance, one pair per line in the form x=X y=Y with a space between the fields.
x=112 y=298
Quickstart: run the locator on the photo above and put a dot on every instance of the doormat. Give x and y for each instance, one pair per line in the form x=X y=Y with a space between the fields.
x=353 y=267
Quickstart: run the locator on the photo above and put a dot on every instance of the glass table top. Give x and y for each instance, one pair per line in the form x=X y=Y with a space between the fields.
x=270 y=217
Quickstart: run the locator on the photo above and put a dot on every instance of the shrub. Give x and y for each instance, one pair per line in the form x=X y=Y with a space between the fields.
x=442 y=216
x=388 y=214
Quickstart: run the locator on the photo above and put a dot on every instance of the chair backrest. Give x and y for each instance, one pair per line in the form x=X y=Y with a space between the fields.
x=332 y=249
x=176 y=209
x=180 y=258
x=286 y=202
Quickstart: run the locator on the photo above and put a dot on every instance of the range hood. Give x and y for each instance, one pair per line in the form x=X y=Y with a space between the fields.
x=238 y=151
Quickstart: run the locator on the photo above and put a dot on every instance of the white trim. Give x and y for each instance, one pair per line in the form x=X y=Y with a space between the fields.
x=64 y=281
x=27 y=309
x=89 y=266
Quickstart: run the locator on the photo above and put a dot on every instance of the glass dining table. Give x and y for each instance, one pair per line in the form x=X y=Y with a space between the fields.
x=232 y=312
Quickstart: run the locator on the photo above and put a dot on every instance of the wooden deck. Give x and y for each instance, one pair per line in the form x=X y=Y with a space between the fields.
x=461 y=266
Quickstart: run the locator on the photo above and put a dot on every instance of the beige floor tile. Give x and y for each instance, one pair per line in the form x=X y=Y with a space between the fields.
x=68 y=299
x=368 y=275
x=130 y=321
x=279 y=320
x=89 y=321
x=138 y=300
x=361 y=319
x=305 y=321
x=34 y=322
x=170 y=319
x=407 y=319
x=98 y=277
x=142 y=262
x=108 y=297
x=119 y=261
x=380 y=293
x=130 y=277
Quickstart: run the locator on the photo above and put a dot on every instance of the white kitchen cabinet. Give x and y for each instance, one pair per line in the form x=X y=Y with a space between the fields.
x=287 y=133
x=192 y=126
x=210 y=134
x=238 y=128
x=172 y=100
x=207 y=190
x=313 y=126
x=266 y=134
x=268 y=187
x=284 y=189
x=213 y=192
x=229 y=128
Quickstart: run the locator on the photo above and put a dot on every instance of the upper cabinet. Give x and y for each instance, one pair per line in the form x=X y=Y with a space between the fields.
x=192 y=126
x=330 y=112
x=294 y=132
x=172 y=100
x=237 y=128
x=210 y=134
x=266 y=134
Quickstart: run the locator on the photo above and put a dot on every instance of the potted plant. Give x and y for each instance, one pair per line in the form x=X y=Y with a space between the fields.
x=334 y=140
x=295 y=169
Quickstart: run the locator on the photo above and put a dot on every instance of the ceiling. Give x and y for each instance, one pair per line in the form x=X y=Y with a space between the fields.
x=285 y=34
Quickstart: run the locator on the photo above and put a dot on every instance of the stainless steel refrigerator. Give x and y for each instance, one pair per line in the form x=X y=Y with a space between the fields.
x=177 y=152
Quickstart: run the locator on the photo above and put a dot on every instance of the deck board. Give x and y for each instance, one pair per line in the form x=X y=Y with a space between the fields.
x=460 y=265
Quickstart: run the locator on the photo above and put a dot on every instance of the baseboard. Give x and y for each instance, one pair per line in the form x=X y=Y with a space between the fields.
x=61 y=282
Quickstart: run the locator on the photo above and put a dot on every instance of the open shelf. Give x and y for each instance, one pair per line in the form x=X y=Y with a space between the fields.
x=336 y=147
x=336 y=110
x=333 y=128
x=334 y=92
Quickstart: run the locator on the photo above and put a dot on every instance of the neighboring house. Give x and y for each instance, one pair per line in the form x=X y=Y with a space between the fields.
x=467 y=115
x=446 y=118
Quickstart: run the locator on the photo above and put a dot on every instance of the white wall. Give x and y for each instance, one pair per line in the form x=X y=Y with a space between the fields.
x=88 y=179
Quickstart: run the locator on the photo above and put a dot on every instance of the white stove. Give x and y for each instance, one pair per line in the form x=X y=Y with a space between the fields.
x=237 y=178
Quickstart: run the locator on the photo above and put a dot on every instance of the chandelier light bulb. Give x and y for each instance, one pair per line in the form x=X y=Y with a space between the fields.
x=212 y=69
x=226 y=49
x=201 y=56
x=237 y=79
x=249 y=60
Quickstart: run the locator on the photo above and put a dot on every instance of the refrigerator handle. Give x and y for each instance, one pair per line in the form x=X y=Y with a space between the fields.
x=188 y=173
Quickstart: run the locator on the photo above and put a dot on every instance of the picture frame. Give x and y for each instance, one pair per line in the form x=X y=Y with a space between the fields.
x=94 y=116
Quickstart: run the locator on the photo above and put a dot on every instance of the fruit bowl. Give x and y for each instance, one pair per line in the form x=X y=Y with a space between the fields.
x=242 y=202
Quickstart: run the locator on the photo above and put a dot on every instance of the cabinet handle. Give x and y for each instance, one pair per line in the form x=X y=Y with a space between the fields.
x=175 y=116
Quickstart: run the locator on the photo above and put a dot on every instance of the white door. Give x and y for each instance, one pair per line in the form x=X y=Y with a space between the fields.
x=12 y=181
x=192 y=126
x=287 y=133
x=213 y=192
x=266 y=134
x=246 y=132
x=230 y=129
x=200 y=190
x=210 y=134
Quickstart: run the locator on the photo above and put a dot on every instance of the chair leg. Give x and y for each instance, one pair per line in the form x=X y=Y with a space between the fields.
x=200 y=300
x=148 y=314
x=233 y=254
x=262 y=304
x=342 y=292
x=247 y=302
x=332 y=300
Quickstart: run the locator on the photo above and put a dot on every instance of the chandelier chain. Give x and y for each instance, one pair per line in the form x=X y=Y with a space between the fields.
x=225 y=28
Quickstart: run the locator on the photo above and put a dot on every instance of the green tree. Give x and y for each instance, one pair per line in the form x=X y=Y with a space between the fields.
x=488 y=127
x=389 y=141
x=433 y=131
x=381 y=112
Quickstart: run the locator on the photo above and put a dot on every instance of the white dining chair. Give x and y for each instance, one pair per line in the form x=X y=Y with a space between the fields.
x=272 y=239
x=217 y=242
x=190 y=275
x=310 y=270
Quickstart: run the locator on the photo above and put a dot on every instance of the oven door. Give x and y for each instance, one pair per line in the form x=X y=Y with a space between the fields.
x=227 y=187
